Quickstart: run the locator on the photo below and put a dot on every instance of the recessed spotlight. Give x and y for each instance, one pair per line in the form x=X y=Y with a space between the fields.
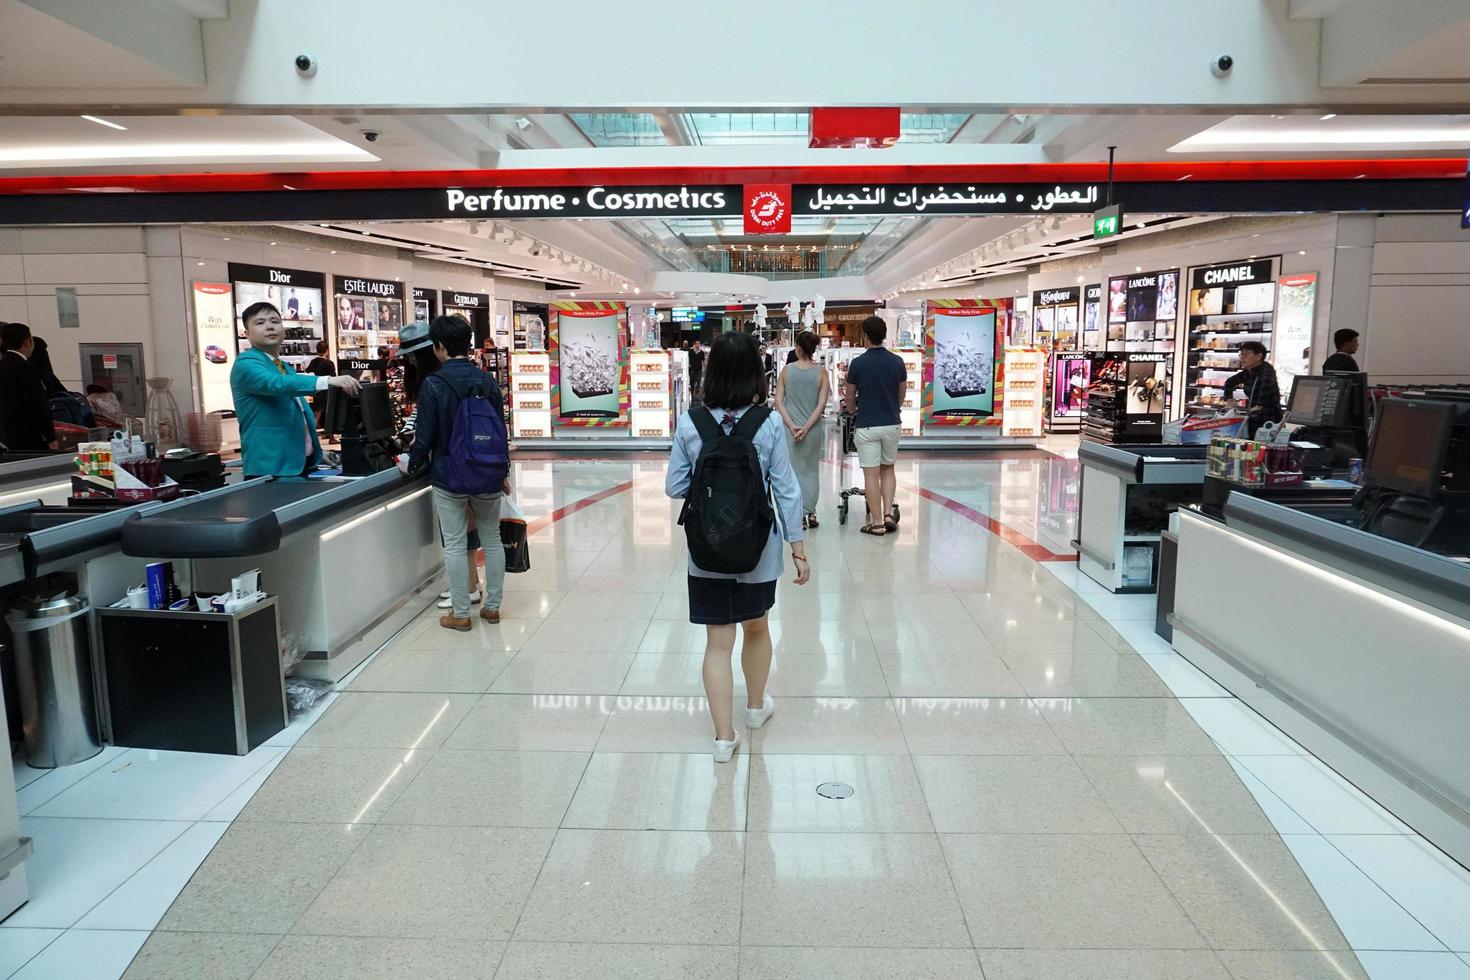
x=1330 y=115
x=103 y=122
x=1138 y=268
x=224 y=239
x=198 y=263
x=334 y=251
x=1302 y=252
x=272 y=243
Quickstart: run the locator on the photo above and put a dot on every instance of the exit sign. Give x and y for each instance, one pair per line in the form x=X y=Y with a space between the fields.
x=1107 y=222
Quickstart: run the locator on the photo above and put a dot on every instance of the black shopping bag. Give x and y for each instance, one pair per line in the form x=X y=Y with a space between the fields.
x=513 y=537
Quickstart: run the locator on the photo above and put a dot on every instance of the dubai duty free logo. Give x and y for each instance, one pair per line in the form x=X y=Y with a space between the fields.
x=767 y=209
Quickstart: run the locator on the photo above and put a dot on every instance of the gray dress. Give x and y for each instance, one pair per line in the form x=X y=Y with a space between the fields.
x=803 y=384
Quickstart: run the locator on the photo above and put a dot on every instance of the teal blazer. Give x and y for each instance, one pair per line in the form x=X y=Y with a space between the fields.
x=272 y=411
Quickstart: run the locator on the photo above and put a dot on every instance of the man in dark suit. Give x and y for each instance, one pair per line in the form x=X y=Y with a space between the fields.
x=25 y=414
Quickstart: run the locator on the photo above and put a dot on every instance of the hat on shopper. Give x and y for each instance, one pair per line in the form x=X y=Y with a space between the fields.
x=413 y=337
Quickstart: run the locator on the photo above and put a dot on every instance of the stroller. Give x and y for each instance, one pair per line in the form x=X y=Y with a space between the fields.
x=847 y=425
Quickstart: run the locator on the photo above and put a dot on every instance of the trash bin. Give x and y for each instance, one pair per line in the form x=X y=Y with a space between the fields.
x=53 y=665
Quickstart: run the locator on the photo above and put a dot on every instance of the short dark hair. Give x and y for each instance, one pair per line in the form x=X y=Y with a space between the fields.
x=1343 y=337
x=1254 y=346
x=807 y=341
x=13 y=336
x=453 y=333
x=734 y=376
x=322 y=347
x=875 y=330
x=254 y=309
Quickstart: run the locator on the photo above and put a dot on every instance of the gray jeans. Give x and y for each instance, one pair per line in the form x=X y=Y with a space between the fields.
x=454 y=525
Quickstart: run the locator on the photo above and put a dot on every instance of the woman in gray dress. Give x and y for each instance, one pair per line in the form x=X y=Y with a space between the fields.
x=801 y=398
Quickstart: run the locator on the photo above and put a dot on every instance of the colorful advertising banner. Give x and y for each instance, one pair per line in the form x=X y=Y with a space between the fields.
x=589 y=367
x=1071 y=374
x=1296 y=315
x=214 y=327
x=961 y=380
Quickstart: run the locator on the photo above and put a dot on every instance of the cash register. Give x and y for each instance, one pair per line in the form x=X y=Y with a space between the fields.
x=1331 y=413
x=1416 y=483
x=365 y=423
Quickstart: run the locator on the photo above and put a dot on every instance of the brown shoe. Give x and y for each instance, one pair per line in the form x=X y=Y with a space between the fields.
x=490 y=615
x=450 y=622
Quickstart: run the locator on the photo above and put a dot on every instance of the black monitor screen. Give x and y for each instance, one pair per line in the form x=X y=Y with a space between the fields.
x=377 y=412
x=336 y=418
x=1305 y=405
x=1410 y=439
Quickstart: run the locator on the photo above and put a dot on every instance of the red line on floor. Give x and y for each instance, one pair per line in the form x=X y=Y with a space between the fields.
x=1010 y=536
x=546 y=520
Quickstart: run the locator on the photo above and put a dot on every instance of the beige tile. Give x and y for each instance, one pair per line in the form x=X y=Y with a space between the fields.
x=1038 y=608
x=556 y=672
x=998 y=794
x=361 y=958
x=1292 y=965
x=670 y=675
x=261 y=877
x=1064 y=891
x=435 y=671
x=886 y=797
x=672 y=636
x=597 y=607
x=855 y=673
x=529 y=605
x=639 y=887
x=430 y=883
x=1244 y=891
x=1189 y=794
x=490 y=789
x=532 y=722
x=830 y=726
x=802 y=963
x=1125 y=726
x=860 y=890
x=660 y=724
x=975 y=726
x=916 y=672
x=1032 y=637
x=618 y=961
x=1084 y=675
x=673 y=605
x=506 y=636
x=334 y=785
x=803 y=637
x=936 y=608
x=577 y=636
x=388 y=721
x=1101 y=964
x=953 y=638
x=191 y=955
x=652 y=791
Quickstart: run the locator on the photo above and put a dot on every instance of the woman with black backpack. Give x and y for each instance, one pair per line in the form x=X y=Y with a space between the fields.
x=729 y=459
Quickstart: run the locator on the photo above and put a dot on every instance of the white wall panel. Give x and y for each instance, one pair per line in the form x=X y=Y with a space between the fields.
x=71 y=269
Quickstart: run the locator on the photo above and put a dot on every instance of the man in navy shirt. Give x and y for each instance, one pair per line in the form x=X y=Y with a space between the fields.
x=876 y=383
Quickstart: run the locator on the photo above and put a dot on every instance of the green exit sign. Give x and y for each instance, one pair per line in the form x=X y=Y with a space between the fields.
x=1107 y=222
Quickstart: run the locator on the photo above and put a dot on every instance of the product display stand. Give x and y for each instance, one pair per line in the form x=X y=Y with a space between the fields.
x=911 y=412
x=530 y=394
x=652 y=397
x=1024 y=396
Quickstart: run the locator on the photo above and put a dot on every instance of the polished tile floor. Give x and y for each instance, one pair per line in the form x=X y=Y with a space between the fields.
x=1041 y=787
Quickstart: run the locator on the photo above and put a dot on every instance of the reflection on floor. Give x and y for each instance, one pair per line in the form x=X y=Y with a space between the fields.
x=1041 y=787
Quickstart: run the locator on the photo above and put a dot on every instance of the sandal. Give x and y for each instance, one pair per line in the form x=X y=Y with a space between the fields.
x=876 y=530
x=812 y=522
x=891 y=526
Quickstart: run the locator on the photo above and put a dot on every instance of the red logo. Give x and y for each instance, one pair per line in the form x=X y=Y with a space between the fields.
x=767 y=209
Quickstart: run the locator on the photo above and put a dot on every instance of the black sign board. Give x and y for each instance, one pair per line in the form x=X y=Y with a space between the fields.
x=276 y=277
x=376 y=288
x=1056 y=297
x=681 y=200
x=1231 y=274
x=539 y=309
x=1094 y=293
x=471 y=301
x=425 y=303
x=942 y=199
x=357 y=365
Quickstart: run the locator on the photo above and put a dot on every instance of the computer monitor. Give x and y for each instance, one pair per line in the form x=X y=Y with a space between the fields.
x=376 y=407
x=337 y=418
x=1304 y=407
x=1410 y=441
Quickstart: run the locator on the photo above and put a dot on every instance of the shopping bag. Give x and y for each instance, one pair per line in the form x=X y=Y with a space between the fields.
x=513 y=536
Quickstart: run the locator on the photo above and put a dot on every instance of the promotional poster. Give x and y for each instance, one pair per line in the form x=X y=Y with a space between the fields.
x=963 y=341
x=1295 y=318
x=590 y=371
x=1071 y=374
x=296 y=293
x=214 y=314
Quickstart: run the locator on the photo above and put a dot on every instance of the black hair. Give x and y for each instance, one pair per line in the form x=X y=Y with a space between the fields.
x=418 y=365
x=875 y=330
x=254 y=309
x=13 y=336
x=41 y=361
x=1343 y=337
x=807 y=341
x=1254 y=347
x=734 y=376
x=322 y=347
x=453 y=333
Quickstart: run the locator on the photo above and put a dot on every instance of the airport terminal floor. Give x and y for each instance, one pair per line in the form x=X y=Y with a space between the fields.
x=1032 y=785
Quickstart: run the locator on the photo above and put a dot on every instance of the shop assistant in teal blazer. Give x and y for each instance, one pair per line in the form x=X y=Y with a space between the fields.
x=277 y=429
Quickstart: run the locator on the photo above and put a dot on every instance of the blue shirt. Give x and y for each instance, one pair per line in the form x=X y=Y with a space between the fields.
x=879 y=377
x=770 y=446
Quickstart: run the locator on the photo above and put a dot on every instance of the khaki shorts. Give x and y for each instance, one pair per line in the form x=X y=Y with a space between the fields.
x=877 y=445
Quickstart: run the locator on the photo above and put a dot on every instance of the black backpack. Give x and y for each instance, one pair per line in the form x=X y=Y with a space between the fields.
x=727 y=516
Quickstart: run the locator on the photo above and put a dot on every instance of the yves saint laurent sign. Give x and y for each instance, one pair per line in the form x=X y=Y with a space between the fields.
x=1055 y=297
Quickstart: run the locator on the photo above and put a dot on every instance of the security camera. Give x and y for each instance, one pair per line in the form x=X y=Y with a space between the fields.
x=536 y=250
x=306 y=65
x=1222 y=65
x=371 y=135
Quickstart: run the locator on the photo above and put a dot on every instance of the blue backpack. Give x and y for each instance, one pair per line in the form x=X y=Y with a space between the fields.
x=479 y=449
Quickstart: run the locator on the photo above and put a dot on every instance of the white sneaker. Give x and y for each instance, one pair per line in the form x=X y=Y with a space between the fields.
x=725 y=751
x=447 y=603
x=445 y=594
x=756 y=717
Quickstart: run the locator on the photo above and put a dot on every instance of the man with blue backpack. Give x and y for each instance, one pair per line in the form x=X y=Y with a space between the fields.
x=461 y=440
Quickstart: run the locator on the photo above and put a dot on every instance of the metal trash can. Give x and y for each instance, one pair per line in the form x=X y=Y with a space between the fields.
x=53 y=665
